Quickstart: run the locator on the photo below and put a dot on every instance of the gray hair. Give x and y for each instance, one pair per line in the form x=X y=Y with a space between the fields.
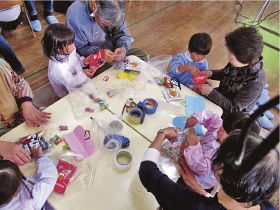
x=111 y=10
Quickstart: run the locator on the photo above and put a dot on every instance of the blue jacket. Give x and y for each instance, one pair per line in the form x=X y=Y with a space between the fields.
x=89 y=36
x=185 y=77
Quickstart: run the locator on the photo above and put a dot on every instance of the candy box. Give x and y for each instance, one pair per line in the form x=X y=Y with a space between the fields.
x=65 y=173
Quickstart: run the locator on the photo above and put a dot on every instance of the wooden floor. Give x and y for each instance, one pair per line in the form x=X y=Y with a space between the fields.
x=159 y=28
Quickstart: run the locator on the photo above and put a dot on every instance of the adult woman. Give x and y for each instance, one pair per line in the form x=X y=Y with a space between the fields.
x=244 y=191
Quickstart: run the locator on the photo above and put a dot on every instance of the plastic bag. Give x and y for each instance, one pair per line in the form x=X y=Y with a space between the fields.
x=160 y=62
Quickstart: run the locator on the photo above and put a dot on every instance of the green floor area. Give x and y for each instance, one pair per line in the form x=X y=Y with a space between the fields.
x=271 y=58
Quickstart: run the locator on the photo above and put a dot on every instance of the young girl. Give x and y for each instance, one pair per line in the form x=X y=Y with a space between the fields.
x=199 y=152
x=65 y=69
x=17 y=192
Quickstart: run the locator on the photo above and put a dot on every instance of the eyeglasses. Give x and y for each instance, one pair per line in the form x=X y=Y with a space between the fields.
x=102 y=22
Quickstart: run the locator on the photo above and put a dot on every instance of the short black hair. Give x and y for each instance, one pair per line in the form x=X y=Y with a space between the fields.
x=254 y=186
x=200 y=43
x=56 y=37
x=245 y=43
x=10 y=180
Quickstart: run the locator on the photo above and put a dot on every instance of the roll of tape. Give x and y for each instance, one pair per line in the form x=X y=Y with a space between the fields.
x=123 y=159
x=150 y=105
x=124 y=141
x=112 y=145
x=115 y=126
x=136 y=115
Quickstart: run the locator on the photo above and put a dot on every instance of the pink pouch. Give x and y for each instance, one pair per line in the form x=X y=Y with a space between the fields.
x=80 y=142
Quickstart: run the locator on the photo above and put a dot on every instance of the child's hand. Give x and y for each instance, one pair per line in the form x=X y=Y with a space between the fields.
x=191 y=122
x=109 y=56
x=90 y=72
x=37 y=152
x=192 y=139
x=194 y=71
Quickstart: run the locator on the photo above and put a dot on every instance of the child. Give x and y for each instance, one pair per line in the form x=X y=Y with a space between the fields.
x=65 y=70
x=198 y=153
x=188 y=64
x=242 y=79
x=17 y=192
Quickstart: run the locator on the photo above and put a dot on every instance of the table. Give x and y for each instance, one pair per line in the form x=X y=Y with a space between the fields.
x=104 y=187
x=141 y=89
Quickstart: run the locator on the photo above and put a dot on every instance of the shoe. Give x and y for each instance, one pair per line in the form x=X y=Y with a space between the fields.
x=36 y=25
x=263 y=99
x=269 y=114
x=265 y=122
x=20 y=71
x=278 y=107
x=51 y=19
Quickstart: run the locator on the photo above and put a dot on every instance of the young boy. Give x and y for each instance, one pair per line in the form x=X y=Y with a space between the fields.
x=242 y=79
x=188 y=64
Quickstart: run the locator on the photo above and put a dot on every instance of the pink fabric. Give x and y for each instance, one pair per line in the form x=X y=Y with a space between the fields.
x=199 y=156
x=79 y=143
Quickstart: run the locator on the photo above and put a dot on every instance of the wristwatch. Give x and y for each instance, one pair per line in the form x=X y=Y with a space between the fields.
x=162 y=131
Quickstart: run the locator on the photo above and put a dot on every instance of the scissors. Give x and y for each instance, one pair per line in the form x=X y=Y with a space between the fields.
x=129 y=104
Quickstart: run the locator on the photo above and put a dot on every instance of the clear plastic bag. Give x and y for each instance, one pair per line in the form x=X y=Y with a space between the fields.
x=160 y=62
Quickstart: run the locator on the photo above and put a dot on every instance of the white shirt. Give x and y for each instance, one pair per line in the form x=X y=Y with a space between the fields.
x=67 y=75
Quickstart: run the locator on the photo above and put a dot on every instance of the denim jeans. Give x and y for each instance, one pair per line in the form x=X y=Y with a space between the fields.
x=7 y=52
x=31 y=7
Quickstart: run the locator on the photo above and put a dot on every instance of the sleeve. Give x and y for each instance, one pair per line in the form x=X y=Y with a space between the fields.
x=217 y=74
x=81 y=42
x=72 y=80
x=197 y=161
x=243 y=98
x=208 y=119
x=121 y=37
x=45 y=181
x=18 y=86
x=176 y=61
x=169 y=194
x=204 y=66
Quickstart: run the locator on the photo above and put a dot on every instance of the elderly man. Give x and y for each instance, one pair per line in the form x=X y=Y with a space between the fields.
x=101 y=25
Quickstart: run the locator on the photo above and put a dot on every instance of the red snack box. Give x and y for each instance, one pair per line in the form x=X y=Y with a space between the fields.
x=97 y=59
x=65 y=172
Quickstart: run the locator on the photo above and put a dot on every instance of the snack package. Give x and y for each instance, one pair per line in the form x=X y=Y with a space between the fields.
x=199 y=80
x=65 y=172
x=172 y=94
x=32 y=141
x=96 y=60
x=131 y=65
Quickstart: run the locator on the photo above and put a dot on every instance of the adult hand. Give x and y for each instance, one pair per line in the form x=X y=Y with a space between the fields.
x=192 y=139
x=14 y=152
x=190 y=122
x=208 y=73
x=170 y=132
x=205 y=89
x=120 y=54
x=33 y=116
x=109 y=56
x=37 y=152
x=90 y=72
x=189 y=177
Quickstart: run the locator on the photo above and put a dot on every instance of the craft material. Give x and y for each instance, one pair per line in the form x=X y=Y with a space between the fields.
x=89 y=110
x=63 y=127
x=123 y=159
x=80 y=142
